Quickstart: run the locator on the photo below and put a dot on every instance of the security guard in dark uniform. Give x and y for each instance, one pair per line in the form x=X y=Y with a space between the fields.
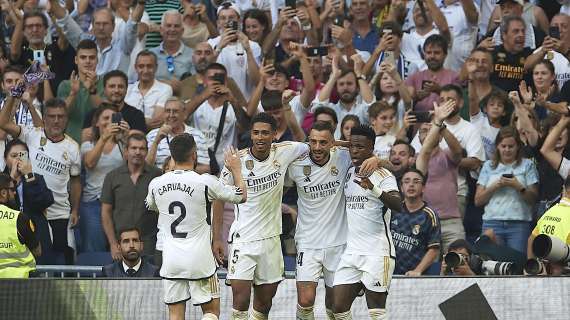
x=18 y=242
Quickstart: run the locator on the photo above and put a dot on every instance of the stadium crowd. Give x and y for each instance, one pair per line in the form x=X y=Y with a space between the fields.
x=465 y=103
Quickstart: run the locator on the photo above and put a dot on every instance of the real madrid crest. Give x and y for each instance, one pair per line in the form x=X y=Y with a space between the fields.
x=276 y=164
x=416 y=229
x=249 y=164
x=334 y=171
x=43 y=141
x=64 y=155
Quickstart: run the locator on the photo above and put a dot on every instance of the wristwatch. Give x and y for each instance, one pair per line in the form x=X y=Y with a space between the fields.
x=29 y=176
x=441 y=126
x=361 y=77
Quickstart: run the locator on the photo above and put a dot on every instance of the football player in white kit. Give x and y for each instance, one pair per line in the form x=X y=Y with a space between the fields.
x=255 y=256
x=183 y=199
x=368 y=261
x=320 y=234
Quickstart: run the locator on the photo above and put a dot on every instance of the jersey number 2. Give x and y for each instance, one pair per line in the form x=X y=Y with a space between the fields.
x=176 y=222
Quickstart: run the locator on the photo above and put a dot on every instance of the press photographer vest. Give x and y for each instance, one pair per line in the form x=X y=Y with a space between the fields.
x=556 y=221
x=16 y=260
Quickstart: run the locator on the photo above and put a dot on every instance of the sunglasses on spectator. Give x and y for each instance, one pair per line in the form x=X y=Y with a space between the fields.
x=170 y=64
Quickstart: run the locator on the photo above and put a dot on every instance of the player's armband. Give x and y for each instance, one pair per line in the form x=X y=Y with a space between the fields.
x=377 y=192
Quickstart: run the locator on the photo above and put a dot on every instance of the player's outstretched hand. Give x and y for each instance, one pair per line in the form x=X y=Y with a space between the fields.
x=364 y=182
x=368 y=167
x=218 y=251
x=231 y=159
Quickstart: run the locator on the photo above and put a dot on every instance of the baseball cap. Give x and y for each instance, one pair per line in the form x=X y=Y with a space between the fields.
x=521 y=2
x=228 y=5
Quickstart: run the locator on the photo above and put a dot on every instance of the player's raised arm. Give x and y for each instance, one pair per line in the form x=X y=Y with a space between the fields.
x=233 y=163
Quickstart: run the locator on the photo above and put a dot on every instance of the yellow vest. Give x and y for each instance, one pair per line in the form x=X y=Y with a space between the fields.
x=16 y=260
x=556 y=222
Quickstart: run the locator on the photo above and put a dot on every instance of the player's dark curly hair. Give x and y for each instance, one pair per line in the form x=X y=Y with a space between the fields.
x=264 y=118
x=364 y=130
x=181 y=147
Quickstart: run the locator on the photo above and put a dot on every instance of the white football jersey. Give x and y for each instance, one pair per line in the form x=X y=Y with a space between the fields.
x=321 y=200
x=183 y=201
x=368 y=219
x=260 y=217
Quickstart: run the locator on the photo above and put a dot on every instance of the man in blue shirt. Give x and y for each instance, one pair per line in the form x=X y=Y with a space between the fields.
x=416 y=230
x=365 y=35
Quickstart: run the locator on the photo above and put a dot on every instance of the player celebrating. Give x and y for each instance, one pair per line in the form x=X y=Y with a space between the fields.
x=319 y=177
x=368 y=260
x=255 y=248
x=183 y=198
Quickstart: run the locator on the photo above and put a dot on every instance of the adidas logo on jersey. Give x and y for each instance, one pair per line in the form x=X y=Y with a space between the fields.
x=251 y=174
x=307 y=179
x=377 y=284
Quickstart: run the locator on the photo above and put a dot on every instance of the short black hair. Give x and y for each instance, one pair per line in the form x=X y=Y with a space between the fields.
x=147 y=53
x=5 y=181
x=460 y=244
x=271 y=100
x=13 y=143
x=436 y=40
x=138 y=137
x=115 y=74
x=86 y=44
x=363 y=130
x=129 y=229
x=453 y=87
x=414 y=170
x=323 y=126
x=12 y=68
x=394 y=26
x=181 y=147
x=411 y=149
x=327 y=111
x=264 y=118
x=216 y=66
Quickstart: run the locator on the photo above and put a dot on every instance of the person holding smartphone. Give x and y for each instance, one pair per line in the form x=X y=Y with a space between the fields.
x=508 y=188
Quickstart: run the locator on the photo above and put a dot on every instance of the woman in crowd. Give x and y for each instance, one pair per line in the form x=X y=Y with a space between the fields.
x=101 y=154
x=389 y=88
x=256 y=25
x=348 y=122
x=545 y=88
x=33 y=195
x=508 y=188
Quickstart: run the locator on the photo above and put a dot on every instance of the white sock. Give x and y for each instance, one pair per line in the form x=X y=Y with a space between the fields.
x=330 y=314
x=256 y=315
x=343 y=315
x=377 y=314
x=209 y=316
x=305 y=313
x=239 y=315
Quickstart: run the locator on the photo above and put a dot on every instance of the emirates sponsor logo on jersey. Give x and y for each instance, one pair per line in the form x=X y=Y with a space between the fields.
x=50 y=165
x=405 y=242
x=322 y=190
x=356 y=202
x=263 y=183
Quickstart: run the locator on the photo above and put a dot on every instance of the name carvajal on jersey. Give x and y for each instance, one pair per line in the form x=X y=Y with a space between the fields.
x=322 y=190
x=176 y=186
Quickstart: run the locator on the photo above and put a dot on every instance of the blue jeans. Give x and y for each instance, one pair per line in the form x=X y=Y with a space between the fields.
x=91 y=228
x=513 y=234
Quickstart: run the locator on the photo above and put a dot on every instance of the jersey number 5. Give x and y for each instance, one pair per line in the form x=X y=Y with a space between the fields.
x=176 y=222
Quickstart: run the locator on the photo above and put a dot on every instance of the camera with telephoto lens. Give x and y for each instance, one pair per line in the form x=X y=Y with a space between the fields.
x=478 y=265
x=551 y=248
x=534 y=266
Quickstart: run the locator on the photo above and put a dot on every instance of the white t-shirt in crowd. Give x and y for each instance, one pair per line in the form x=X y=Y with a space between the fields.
x=487 y=131
x=163 y=149
x=321 y=203
x=236 y=65
x=412 y=47
x=368 y=219
x=561 y=66
x=260 y=216
x=360 y=109
x=94 y=177
x=296 y=106
x=56 y=162
x=463 y=34
x=383 y=144
x=156 y=96
x=206 y=119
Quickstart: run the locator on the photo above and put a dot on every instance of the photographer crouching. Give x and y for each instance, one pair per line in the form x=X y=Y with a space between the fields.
x=549 y=243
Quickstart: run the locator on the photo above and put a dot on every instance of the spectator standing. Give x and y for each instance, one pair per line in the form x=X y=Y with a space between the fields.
x=507 y=187
x=132 y=264
x=32 y=194
x=415 y=230
x=56 y=157
x=17 y=233
x=365 y=35
x=123 y=194
x=515 y=8
x=148 y=94
x=256 y=25
x=197 y=25
x=101 y=154
x=156 y=9
x=174 y=57
x=113 y=53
